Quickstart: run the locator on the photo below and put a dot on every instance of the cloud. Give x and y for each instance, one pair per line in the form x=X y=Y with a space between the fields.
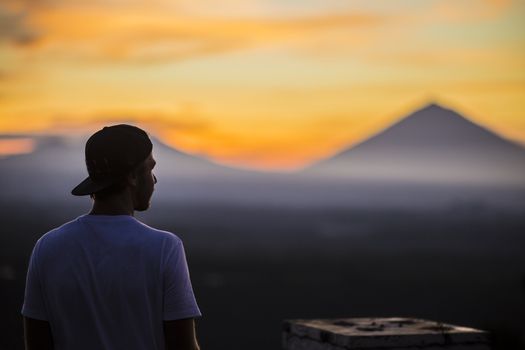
x=499 y=4
x=433 y=57
x=185 y=120
x=471 y=10
x=14 y=29
x=173 y=122
x=150 y=37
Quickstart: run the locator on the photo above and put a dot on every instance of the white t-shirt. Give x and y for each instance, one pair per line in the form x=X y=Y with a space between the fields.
x=108 y=282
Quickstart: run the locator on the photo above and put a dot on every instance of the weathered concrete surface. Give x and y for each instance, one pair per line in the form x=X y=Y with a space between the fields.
x=380 y=334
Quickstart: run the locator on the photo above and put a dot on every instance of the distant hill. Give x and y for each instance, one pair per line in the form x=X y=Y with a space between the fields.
x=57 y=164
x=433 y=144
x=426 y=158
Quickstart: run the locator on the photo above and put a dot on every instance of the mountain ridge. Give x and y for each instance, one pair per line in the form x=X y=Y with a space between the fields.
x=433 y=145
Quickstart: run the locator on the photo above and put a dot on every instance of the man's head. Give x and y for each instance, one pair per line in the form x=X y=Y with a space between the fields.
x=119 y=160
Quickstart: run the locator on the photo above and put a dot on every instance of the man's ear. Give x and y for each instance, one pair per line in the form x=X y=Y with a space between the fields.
x=132 y=179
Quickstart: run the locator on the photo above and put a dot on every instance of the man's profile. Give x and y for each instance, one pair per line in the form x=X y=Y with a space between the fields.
x=105 y=280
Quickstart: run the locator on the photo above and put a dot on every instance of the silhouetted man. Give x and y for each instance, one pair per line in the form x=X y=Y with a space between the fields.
x=105 y=280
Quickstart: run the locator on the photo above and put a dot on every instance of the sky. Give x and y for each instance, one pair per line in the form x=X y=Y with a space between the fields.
x=264 y=84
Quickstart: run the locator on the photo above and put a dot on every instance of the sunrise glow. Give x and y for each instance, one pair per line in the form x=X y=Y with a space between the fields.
x=268 y=84
x=16 y=146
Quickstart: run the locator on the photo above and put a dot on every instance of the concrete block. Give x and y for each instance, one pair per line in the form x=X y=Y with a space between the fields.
x=393 y=333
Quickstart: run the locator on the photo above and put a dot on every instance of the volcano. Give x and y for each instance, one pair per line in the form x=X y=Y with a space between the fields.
x=433 y=144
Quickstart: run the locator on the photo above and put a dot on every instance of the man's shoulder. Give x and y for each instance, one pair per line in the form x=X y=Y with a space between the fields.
x=75 y=230
x=55 y=235
x=60 y=230
x=155 y=233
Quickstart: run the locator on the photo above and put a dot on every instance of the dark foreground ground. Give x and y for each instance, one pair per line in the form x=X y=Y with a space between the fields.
x=254 y=266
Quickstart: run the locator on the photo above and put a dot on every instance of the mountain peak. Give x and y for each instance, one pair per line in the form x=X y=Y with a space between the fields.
x=434 y=110
x=434 y=121
x=433 y=107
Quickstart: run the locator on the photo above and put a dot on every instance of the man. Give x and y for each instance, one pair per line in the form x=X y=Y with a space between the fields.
x=106 y=280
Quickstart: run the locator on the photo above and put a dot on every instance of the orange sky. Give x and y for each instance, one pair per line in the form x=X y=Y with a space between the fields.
x=271 y=84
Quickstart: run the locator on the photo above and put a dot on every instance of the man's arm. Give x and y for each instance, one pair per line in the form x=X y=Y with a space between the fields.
x=180 y=335
x=37 y=334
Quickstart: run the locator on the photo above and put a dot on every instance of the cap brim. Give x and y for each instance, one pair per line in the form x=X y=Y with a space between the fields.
x=88 y=186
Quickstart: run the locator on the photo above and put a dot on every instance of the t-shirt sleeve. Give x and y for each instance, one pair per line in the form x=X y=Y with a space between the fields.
x=33 y=306
x=179 y=300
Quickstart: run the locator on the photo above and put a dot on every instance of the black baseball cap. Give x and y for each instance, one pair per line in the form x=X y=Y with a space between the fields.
x=111 y=153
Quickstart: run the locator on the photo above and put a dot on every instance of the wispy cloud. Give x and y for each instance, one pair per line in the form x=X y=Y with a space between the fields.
x=471 y=10
x=435 y=57
x=130 y=36
x=14 y=28
x=183 y=121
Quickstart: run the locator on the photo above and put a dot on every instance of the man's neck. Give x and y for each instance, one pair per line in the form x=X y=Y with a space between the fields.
x=114 y=205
